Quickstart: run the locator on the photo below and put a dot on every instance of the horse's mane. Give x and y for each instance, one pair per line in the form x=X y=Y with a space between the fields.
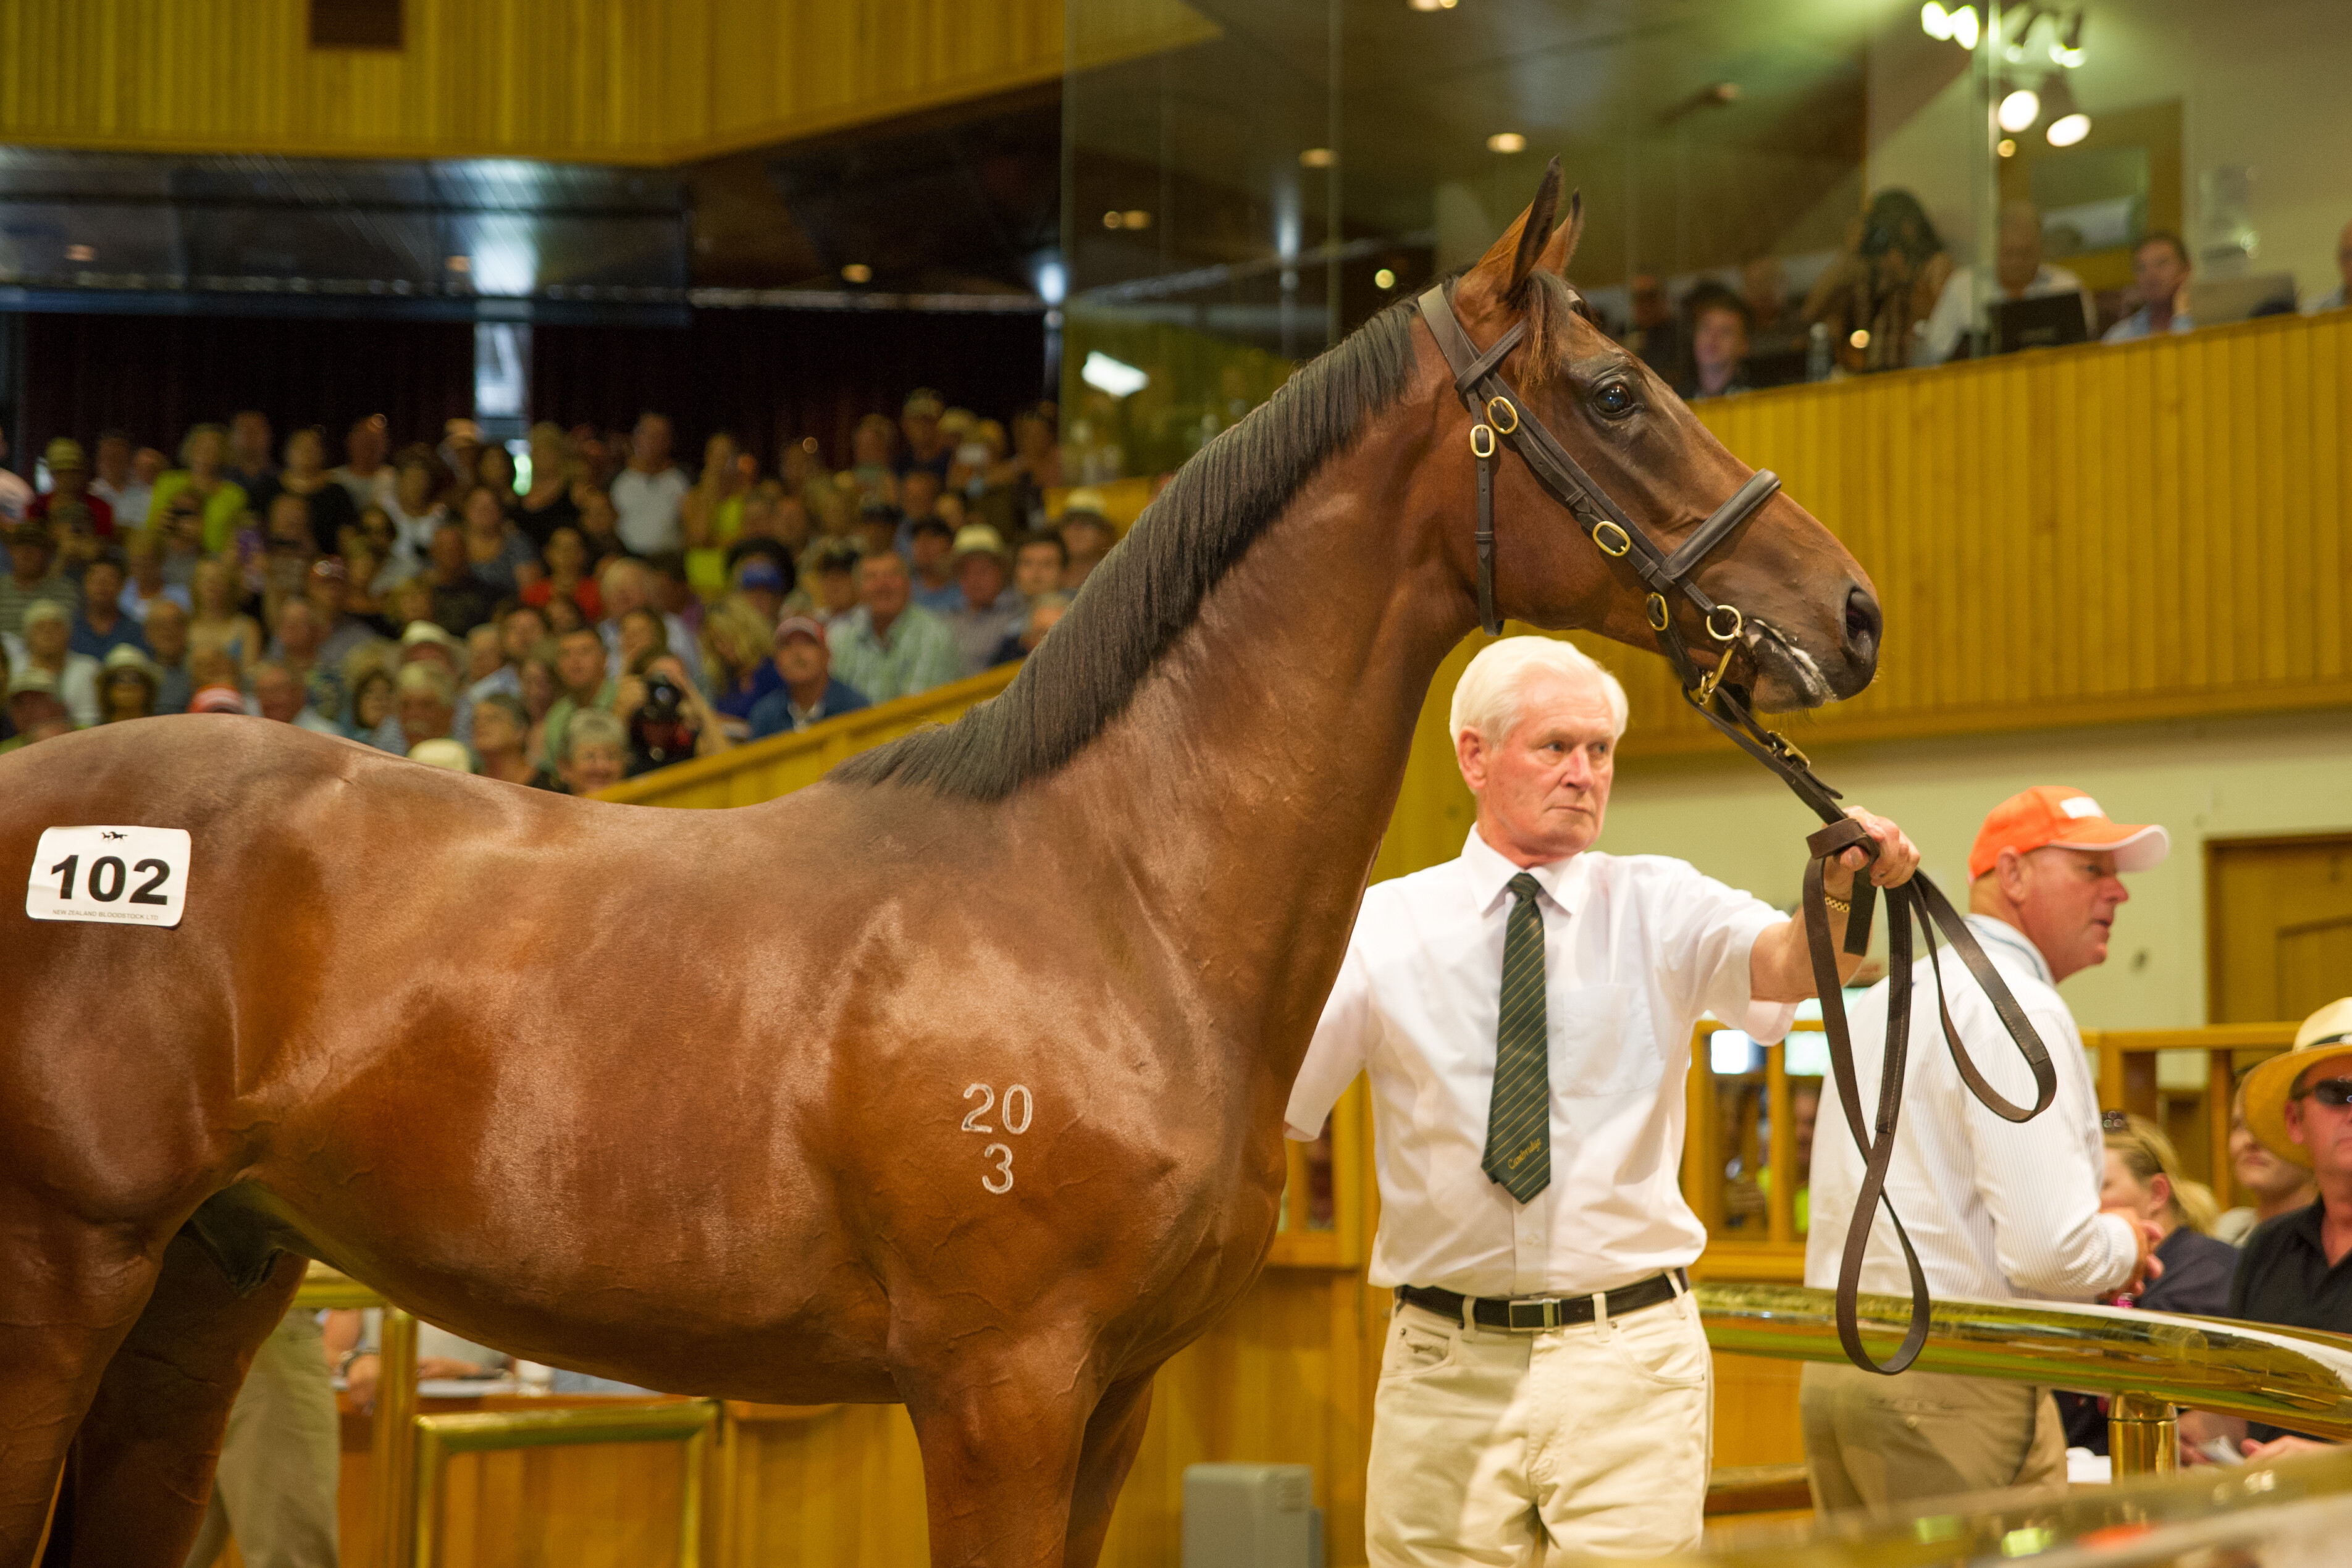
x=1149 y=588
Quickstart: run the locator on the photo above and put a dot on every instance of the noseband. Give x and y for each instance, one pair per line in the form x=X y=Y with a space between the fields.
x=1498 y=415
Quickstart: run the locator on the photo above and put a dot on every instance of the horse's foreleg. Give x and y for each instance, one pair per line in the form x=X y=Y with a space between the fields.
x=1001 y=1439
x=68 y=1293
x=1113 y=1435
x=143 y=1459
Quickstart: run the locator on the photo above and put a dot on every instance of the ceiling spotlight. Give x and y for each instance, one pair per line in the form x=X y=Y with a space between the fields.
x=2006 y=148
x=2068 y=124
x=1432 y=5
x=461 y=263
x=2068 y=129
x=80 y=253
x=1317 y=158
x=1935 y=21
x=2020 y=110
x=1384 y=278
x=1859 y=337
x=1964 y=26
x=1506 y=142
x=1136 y=218
x=2067 y=49
x=1116 y=377
x=858 y=272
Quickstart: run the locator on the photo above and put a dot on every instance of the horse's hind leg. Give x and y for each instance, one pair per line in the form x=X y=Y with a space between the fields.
x=142 y=1460
x=69 y=1292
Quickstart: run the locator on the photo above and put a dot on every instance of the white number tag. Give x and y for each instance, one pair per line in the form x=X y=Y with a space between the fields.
x=116 y=876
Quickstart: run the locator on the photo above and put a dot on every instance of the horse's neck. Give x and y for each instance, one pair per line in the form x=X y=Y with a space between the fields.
x=1245 y=790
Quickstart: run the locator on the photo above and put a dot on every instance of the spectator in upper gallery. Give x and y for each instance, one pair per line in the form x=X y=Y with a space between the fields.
x=806 y=692
x=364 y=476
x=567 y=576
x=296 y=650
x=218 y=625
x=166 y=628
x=128 y=684
x=1718 y=344
x=118 y=483
x=34 y=710
x=2338 y=297
x=932 y=557
x=305 y=474
x=1039 y=564
x=765 y=581
x=1044 y=612
x=833 y=576
x=70 y=505
x=461 y=600
x=600 y=527
x=986 y=610
x=1655 y=336
x=341 y=633
x=1034 y=467
x=519 y=631
x=648 y=493
x=1085 y=535
x=889 y=646
x=580 y=670
x=415 y=508
x=460 y=454
x=148 y=585
x=425 y=706
x=2019 y=273
x=737 y=645
x=279 y=695
x=47 y=639
x=203 y=473
x=710 y=517
x=877 y=527
x=100 y=626
x=630 y=585
x=496 y=553
x=872 y=472
x=15 y=494
x=248 y=456
x=501 y=732
x=1882 y=285
x=2160 y=271
x=546 y=503
x=33 y=575
x=595 y=754
x=666 y=577
x=926 y=446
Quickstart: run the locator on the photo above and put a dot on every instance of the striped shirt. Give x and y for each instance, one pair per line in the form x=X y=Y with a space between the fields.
x=1998 y=1210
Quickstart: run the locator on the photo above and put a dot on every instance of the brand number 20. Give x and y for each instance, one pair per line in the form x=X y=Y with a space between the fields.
x=1020 y=1108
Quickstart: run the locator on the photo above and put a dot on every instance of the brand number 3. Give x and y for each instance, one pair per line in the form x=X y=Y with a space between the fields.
x=1019 y=1109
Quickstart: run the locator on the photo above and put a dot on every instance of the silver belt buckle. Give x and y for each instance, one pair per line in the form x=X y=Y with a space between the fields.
x=1547 y=1314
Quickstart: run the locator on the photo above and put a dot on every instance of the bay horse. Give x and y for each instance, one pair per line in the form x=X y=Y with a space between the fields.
x=953 y=1080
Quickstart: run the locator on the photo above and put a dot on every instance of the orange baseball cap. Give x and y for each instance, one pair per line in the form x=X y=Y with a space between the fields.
x=2054 y=814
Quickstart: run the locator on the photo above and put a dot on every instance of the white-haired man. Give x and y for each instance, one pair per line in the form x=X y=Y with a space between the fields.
x=1525 y=1015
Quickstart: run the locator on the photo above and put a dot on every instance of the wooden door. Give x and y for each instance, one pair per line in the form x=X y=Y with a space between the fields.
x=2278 y=922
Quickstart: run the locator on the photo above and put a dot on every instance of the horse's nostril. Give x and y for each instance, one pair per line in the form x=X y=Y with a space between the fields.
x=1862 y=621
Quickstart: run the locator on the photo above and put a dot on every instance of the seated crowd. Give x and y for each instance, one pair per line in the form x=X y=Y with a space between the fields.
x=600 y=614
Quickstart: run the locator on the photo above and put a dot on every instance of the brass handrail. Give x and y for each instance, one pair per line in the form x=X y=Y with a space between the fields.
x=2285 y=1377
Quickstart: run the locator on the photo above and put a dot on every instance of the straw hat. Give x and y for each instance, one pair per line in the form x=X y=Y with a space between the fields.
x=2325 y=1036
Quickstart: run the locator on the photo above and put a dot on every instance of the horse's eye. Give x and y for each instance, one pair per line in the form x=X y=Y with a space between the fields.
x=1616 y=400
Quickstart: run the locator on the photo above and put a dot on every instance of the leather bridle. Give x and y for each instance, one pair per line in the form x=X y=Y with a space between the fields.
x=1499 y=416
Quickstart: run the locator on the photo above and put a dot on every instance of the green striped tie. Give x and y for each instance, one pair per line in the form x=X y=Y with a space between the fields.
x=1518 y=1119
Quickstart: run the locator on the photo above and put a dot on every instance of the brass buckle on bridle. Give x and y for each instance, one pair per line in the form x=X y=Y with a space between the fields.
x=1624 y=541
x=1482 y=430
x=1713 y=677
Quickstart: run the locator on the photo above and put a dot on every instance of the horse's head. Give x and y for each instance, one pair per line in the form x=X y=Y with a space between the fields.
x=1808 y=624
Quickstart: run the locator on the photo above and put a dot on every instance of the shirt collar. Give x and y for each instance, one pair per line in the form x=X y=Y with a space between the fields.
x=1989 y=929
x=1562 y=880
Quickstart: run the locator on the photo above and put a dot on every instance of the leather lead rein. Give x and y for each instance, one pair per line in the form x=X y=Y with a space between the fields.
x=1497 y=416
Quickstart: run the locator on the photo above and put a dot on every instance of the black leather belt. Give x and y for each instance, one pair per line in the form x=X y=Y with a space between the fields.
x=1547 y=1312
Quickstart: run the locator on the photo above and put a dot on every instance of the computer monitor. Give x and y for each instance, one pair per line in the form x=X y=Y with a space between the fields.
x=2046 y=321
x=2229 y=299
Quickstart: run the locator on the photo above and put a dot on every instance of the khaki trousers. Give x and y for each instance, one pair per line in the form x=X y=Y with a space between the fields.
x=1491 y=1447
x=274 y=1490
x=1872 y=1440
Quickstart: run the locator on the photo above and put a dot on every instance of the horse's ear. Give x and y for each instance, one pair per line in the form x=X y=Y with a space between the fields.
x=1525 y=241
x=1562 y=249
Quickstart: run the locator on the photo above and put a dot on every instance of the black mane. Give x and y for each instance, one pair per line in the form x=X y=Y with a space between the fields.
x=1150 y=586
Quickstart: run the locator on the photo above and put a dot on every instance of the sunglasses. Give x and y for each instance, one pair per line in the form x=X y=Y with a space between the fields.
x=2114 y=1120
x=2332 y=1091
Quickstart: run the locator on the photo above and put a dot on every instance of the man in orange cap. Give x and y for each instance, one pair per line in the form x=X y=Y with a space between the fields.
x=1998 y=1210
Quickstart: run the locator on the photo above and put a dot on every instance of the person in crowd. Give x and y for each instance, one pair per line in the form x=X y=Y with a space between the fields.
x=248 y=456
x=48 y=639
x=15 y=494
x=100 y=626
x=167 y=648
x=341 y=632
x=128 y=684
x=496 y=553
x=647 y=494
x=1655 y=335
x=919 y=496
x=278 y=696
x=764 y=581
x=547 y=504
x=501 y=736
x=806 y=690
x=2276 y=1185
x=494 y=465
x=1529 y=1187
x=330 y=505
x=669 y=720
x=460 y=453
x=299 y=648
x=877 y=527
x=712 y=515
x=2161 y=273
x=2019 y=273
x=218 y=623
x=873 y=470
x=832 y=569
x=566 y=575
x=280 y=1459
x=600 y=527
x=926 y=446
x=203 y=474
x=371 y=707
x=933 y=561
x=364 y=476
x=1040 y=563
x=522 y=629
x=675 y=598
x=287 y=550
x=1775 y=335
x=117 y=481
x=461 y=600
x=986 y=610
x=889 y=646
x=415 y=511
x=1034 y=467
x=643 y=639
x=1998 y=1209
x=1718 y=345
x=1087 y=537
x=2336 y=298
x=217 y=697
x=540 y=685
x=1884 y=283
x=629 y=585
x=483 y=656
x=737 y=640
x=70 y=502
x=595 y=753
x=148 y=586
x=1043 y=614
x=179 y=525
x=36 y=711
x=586 y=687
x=33 y=577
x=424 y=707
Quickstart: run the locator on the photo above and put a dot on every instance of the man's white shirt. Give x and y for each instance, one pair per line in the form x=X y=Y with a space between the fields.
x=1998 y=1210
x=1636 y=949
